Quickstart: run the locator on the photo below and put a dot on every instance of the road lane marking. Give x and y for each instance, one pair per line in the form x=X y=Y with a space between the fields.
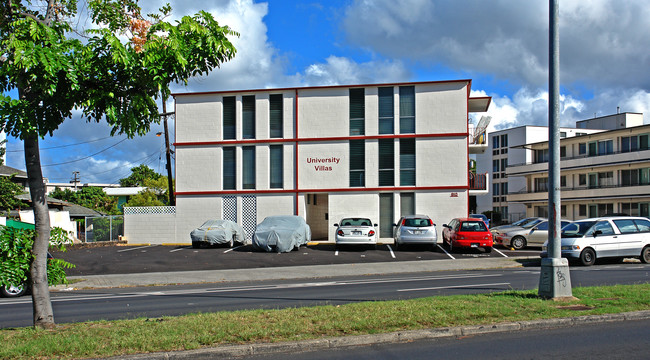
x=136 y=248
x=391 y=251
x=336 y=253
x=180 y=248
x=445 y=251
x=497 y=250
x=231 y=249
x=454 y=287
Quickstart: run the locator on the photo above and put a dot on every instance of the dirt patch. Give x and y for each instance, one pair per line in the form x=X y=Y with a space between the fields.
x=576 y=307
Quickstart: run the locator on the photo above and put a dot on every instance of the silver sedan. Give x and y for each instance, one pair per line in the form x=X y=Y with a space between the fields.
x=415 y=229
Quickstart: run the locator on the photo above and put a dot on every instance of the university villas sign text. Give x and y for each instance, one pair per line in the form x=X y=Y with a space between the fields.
x=323 y=164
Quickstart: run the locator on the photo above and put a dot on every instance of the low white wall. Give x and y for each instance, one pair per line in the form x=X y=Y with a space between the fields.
x=150 y=225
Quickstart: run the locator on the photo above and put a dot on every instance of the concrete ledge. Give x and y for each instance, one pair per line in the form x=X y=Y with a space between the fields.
x=229 y=351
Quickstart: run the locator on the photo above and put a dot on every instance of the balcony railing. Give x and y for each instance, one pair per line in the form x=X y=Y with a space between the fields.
x=477 y=181
x=583 y=187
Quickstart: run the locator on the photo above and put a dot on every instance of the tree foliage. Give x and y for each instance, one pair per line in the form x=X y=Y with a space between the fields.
x=8 y=192
x=92 y=197
x=123 y=65
x=138 y=176
x=16 y=256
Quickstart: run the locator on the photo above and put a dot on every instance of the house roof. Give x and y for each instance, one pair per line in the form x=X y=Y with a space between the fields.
x=8 y=171
x=74 y=209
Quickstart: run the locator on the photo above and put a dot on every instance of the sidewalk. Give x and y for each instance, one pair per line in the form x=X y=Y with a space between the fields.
x=283 y=273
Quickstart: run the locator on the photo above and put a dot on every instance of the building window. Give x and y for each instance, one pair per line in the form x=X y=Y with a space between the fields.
x=582 y=210
x=563 y=181
x=386 y=162
x=562 y=134
x=634 y=143
x=605 y=147
x=248 y=167
x=562 y=151
x=582 y=180
x=276 y=115
x=407 y=162
x=229 y=168
x=592 y=149
x=635 y=177
x=386 y=110
x=229 y=111
x=606 y=179
x=495 y=142
x=248 y=116
x=504 y=188
x=357 y=163
x=504 y=164
x=407 y=110
x=541 y=156
x=495 y=166
x=541 y=184
x=407 y=204
x=495 y=189
x=357 y=111
x=582 y=149
x=277 y=166
x=504 y=140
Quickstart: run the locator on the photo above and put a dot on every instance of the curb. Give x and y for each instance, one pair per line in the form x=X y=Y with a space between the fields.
x=230 y=351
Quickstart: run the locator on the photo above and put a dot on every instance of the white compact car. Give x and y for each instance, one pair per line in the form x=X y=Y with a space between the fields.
x=415 y=229
x=356 y=231
x=616 y=236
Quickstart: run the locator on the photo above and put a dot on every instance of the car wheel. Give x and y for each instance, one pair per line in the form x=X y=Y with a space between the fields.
x=645 y=255
x=488 y=250
x=518 y=242
x=587 y=257
x=396 y=245
x=13 y=290
x=196 y=244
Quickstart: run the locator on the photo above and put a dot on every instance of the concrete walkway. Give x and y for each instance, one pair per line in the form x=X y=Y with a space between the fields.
x=289 y=272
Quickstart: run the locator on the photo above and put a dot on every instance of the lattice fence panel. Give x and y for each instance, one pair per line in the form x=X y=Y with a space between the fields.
x=249 y=215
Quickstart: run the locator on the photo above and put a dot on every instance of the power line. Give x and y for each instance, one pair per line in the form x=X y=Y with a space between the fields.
x=68 y=145
x=87 y=157
x=111 y=169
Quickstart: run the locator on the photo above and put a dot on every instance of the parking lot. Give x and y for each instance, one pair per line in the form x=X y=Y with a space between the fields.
x=115 y=259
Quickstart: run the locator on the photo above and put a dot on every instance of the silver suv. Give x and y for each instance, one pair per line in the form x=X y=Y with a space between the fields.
x=616 y=236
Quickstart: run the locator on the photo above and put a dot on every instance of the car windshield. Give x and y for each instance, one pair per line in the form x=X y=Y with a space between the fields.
x=577 y=229
x=531 y=223
x=521 y=222
x=356 y=222
x=473 y=226
x=420 y=222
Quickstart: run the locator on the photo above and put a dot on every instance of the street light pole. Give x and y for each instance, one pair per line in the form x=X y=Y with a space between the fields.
x=170 y=182
x=554 y=280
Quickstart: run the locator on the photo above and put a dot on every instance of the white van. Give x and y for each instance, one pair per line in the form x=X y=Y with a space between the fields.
x=616 y=236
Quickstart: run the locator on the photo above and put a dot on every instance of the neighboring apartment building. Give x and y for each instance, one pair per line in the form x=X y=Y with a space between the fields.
x=601 y=173
x=507 y=149
x=376 y=151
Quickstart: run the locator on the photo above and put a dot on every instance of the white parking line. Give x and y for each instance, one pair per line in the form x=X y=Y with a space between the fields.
x=391 y=251
x=455 y=287
x=445 y=251
x=136 y=248
x=231 y=249
x=336 y=253
x=180 y=248
x=504 y=255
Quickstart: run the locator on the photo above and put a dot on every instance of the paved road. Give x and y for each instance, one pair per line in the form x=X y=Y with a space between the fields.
x=119 y=303
x=620 y=340
x=157 y=258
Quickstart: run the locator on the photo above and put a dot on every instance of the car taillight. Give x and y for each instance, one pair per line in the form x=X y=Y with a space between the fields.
x=403 y=222
x=371 y=233
x=430 y=222
x=340 y=233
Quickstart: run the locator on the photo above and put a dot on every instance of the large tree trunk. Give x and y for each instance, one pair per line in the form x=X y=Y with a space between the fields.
x=43 y=314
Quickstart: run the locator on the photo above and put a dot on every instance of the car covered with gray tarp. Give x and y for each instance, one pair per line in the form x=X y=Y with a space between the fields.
x=214 y=232
x=281 y=233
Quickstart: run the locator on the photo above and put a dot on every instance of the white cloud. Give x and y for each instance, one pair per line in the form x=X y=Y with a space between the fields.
x=340 y=70
x=603 y=43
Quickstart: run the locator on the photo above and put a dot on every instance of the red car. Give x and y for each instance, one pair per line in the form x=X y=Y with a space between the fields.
x=468 y=233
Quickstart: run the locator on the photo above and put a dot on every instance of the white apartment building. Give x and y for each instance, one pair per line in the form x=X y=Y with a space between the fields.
x=508 y=149
x=376 y=151
x=602 y=173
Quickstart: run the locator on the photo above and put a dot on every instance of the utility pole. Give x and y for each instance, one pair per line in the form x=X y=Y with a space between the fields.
x=170 y=182
x=75 y=179
x=554 y=278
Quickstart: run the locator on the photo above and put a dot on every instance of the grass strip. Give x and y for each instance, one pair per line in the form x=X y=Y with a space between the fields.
x=110 y=338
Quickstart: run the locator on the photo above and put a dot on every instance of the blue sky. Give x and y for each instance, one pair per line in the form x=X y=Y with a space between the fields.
x=502 y=45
